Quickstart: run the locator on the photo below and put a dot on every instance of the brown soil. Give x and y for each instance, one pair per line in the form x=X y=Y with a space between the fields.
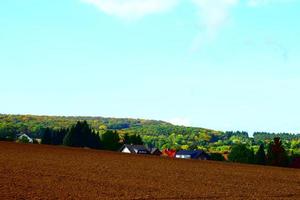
x=47 y=172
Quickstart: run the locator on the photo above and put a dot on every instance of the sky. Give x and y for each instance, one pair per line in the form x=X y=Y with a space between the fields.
x=222 y=64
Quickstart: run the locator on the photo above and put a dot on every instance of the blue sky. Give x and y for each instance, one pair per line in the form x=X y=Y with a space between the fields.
x=223 y=64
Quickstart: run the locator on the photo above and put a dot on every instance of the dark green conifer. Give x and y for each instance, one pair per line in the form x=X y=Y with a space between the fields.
x=111 y=140
x=260 y=157
x=47 y=136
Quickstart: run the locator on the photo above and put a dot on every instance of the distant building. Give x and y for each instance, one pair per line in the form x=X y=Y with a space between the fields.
x=22 y=136
x=155 y=152
x=192 y=154
x=134 y=149
x=169 y=153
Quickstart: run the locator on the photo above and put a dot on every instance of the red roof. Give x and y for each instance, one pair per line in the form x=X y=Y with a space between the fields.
x=169 y=153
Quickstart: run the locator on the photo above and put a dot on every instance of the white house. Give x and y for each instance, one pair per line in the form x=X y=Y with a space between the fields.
x=134 y=149
x=20 y=137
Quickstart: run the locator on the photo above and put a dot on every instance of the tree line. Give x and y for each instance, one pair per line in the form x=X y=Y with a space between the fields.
x=154 y=133
x=82 y=135
x=275 y=155
x=242 y=150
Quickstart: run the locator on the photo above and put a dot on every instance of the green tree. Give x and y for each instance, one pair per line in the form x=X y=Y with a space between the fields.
x=295 y=144
x=7 y=133
x=58 y=136
x=241 y=153
x=260 y=157
x=217 y=157
x=80 y=135
x=94 y=141
x=47 y=136
x=126 y=139
x=132 y=139
x=73 y=137
x=136 y=140
x=111 y=140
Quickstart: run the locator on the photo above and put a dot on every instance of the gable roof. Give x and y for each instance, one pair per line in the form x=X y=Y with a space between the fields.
x=20 y=136
x=23 y=135
x=169 y=152
x=135 y=148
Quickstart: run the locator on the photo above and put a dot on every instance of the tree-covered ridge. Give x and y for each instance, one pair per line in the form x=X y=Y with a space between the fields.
x=33 y=125
x=65 y=121
x=154 y=133
x=270 y=136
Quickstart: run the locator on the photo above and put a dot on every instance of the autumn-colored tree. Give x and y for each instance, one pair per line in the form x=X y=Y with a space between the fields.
x=277 y=155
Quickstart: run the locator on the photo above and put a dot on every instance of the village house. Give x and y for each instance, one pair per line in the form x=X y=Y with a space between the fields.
x=134 y=149
x=22 y=136
x=192 y=154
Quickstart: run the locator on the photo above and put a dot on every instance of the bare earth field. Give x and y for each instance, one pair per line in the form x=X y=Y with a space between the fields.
x=47 y=172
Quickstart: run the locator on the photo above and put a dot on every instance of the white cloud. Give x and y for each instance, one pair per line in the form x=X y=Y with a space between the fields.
x=214 y=14
x=132 y=9
x=180 y=122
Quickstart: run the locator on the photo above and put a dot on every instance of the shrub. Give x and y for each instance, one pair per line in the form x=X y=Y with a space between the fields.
x=241 y=153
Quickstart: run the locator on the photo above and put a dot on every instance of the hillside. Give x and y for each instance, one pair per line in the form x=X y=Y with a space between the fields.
x=34 y=126
x=33 y=122
x=49 y=172
x=154 y=133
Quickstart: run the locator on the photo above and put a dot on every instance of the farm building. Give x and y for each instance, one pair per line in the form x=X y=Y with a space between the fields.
x=194 y=154
x=134 y=149
x=21 y=137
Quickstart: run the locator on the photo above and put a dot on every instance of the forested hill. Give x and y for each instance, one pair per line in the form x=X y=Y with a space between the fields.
x=32 y=124
x=154 y=133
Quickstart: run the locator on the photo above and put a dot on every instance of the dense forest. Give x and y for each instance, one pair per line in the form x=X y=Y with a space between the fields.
x=153 y=133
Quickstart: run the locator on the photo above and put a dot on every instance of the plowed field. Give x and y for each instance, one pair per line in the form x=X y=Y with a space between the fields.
x=47 y=172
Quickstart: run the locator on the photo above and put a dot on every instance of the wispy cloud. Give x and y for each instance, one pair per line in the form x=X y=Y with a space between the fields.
x=213 y=16
x=257 y=3
x=132 y=9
